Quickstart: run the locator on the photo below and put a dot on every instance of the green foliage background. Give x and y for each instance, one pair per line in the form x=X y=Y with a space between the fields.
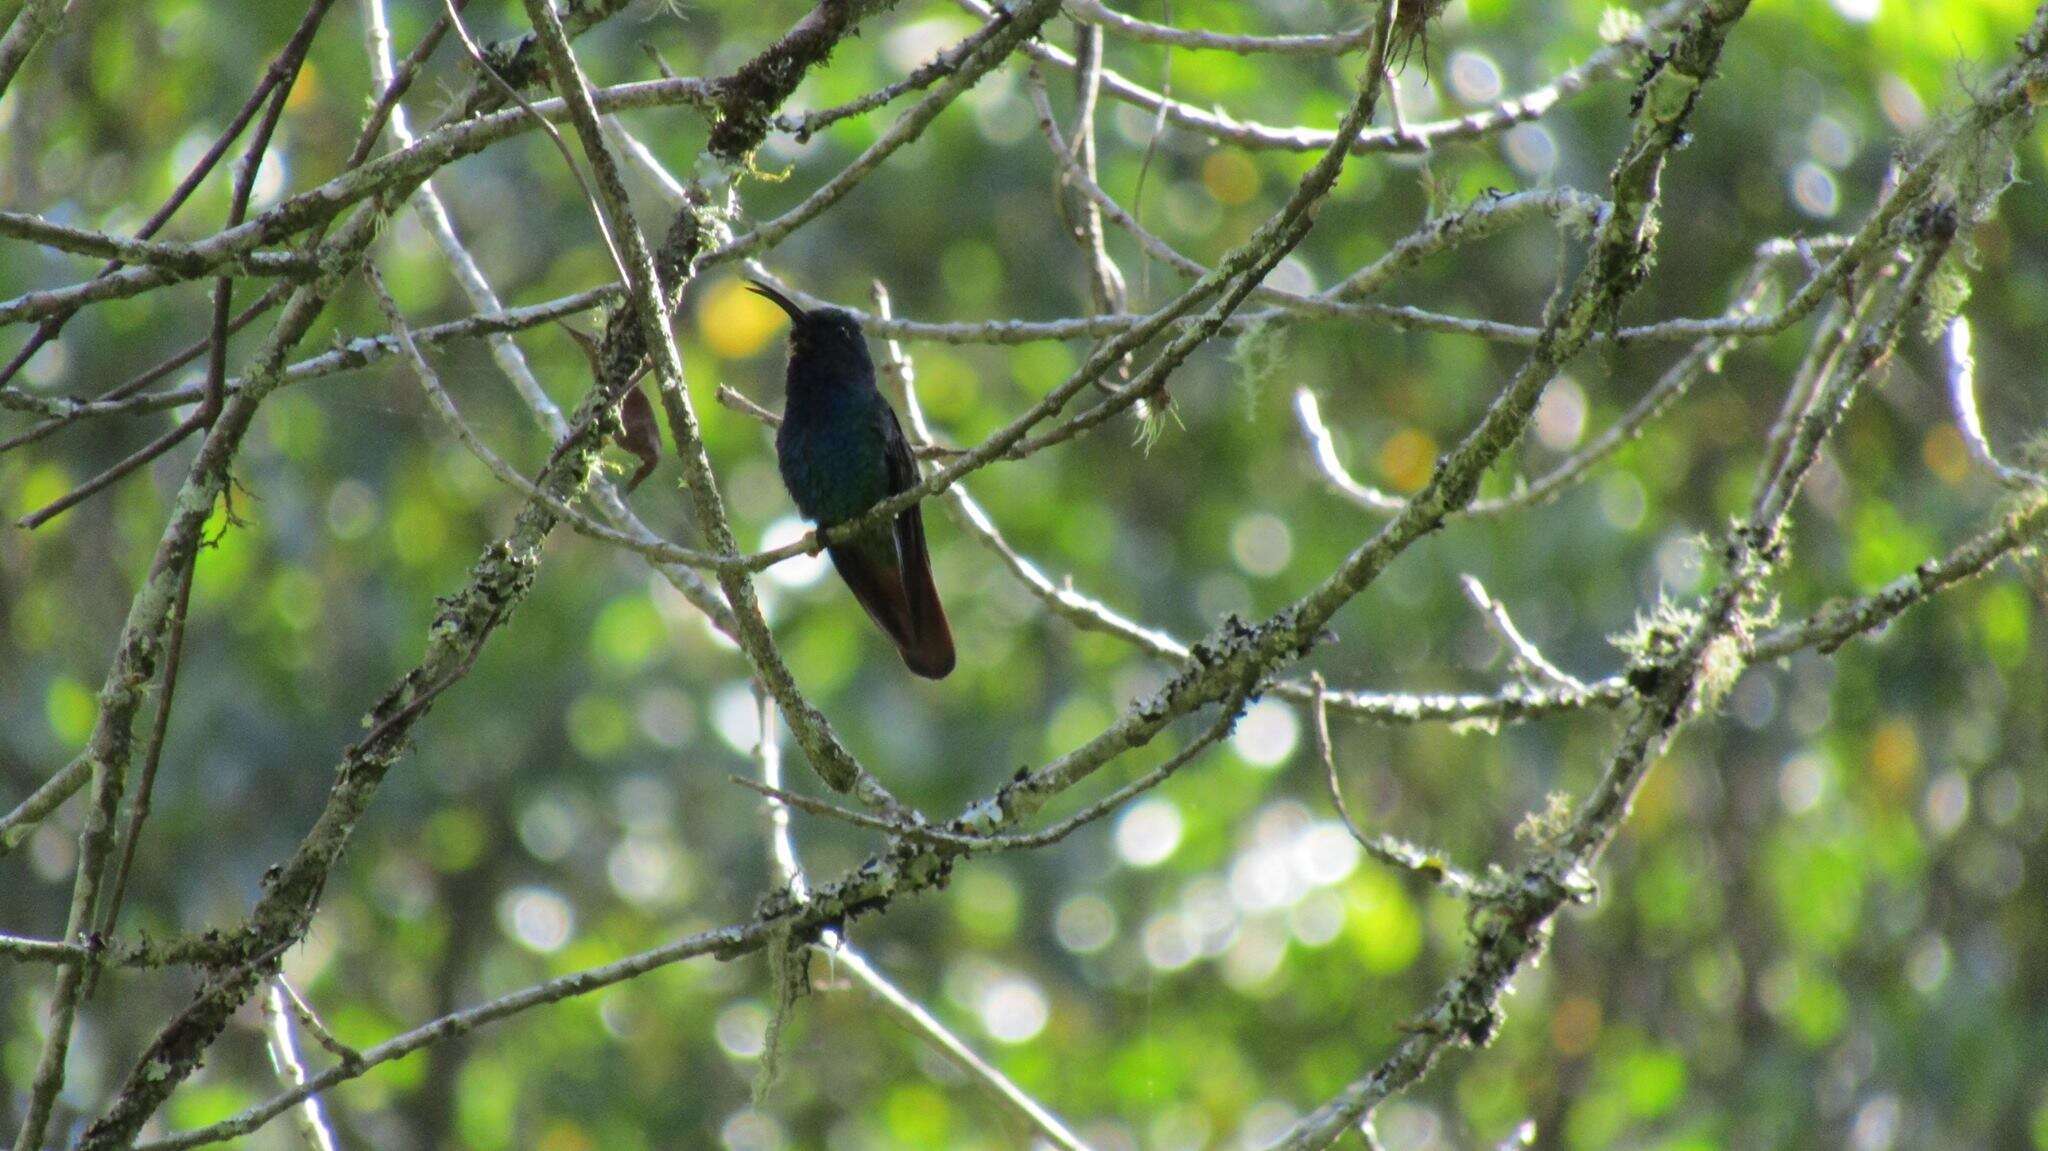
x=1823 y=926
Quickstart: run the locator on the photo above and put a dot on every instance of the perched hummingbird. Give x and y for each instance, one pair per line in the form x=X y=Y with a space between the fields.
x=841 y=452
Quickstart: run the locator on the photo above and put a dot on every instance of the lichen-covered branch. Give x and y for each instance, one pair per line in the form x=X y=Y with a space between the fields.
x=640 y=331
x=1609 y=60
x=1861 y=290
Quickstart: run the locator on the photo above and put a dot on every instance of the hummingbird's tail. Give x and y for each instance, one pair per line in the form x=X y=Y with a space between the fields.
x=929 y=652
x=891 y=575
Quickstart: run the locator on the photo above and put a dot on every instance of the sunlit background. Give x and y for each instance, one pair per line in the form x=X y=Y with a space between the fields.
x=1824 y=925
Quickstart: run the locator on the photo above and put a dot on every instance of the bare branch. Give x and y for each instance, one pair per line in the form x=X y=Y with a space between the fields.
x=723 y=941
x=1862 y=287
x=505 y=351
x=1523 y=653
x=1675 y=688
x=180 y=258
x=1333 y=44
x=1837 y=623
x=1384 y=848
x=152 y=758
x=746 y=100
x=310 y=1020
x=946 y=63
x=37 y=19
x=642 y=331
x=284 y=1055
x=1962 y=390
x=768 y=753
x=41 y=950
x=1607 y=61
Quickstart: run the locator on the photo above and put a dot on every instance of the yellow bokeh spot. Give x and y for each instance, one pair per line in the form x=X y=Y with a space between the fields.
x=305 y=90
x=1575 y=1027
x=1230 y=176
x=565 y=1136
x=735 y=323
x=1656 y=802
x=1895 y=757
x=1945 y=454
x=1407 y=458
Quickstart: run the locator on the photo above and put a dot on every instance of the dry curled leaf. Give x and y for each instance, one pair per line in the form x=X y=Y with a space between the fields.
x=638 y=434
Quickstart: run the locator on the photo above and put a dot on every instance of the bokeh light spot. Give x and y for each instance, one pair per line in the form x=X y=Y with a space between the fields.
x=1148 y=832
x=1267 y=734
x=735 y=323
x=537 y=918
x=1531 y=149
x=1262 y=544
x=1575 y=1027
x=1230 y=176
x=1085 y=924
x=1561 y=415
x=750 y=1130
x=1945 y=454
x=798 y=570
x=1014 y=1010
x=1814 y=191
x=1407 y=458
x=742 y=1029
x=1474 y=77
x=737 y=717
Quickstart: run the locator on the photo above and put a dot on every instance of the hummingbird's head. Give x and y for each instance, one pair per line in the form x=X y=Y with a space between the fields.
x=830 y=333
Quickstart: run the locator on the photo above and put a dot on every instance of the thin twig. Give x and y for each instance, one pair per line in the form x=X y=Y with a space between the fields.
x=768 y=754
x=284 y=1056
x=973 y=842
x=1524 y=654
x=437 y=398
x=286 y=70
x=145 y=785
x=648 y=316
x=1331 y=44
x=1384 y=848
x=310 y=1020
x=506 y=352
x=139 y=249
x=37 y=19
x=946 y=63
x=1962 y=390
x=194 y=176
x=1603 y=63
x=554 y=135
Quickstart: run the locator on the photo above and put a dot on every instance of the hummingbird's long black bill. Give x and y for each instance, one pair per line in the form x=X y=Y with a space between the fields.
x=788 y=305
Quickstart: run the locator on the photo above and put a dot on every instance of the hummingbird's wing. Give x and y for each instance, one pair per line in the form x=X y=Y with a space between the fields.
x=930 y=650
x=890 y=572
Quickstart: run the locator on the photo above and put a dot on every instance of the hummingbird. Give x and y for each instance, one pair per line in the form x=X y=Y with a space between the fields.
x=841 y=451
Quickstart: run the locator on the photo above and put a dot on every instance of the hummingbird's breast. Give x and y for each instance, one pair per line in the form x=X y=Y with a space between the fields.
x=831 y=453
